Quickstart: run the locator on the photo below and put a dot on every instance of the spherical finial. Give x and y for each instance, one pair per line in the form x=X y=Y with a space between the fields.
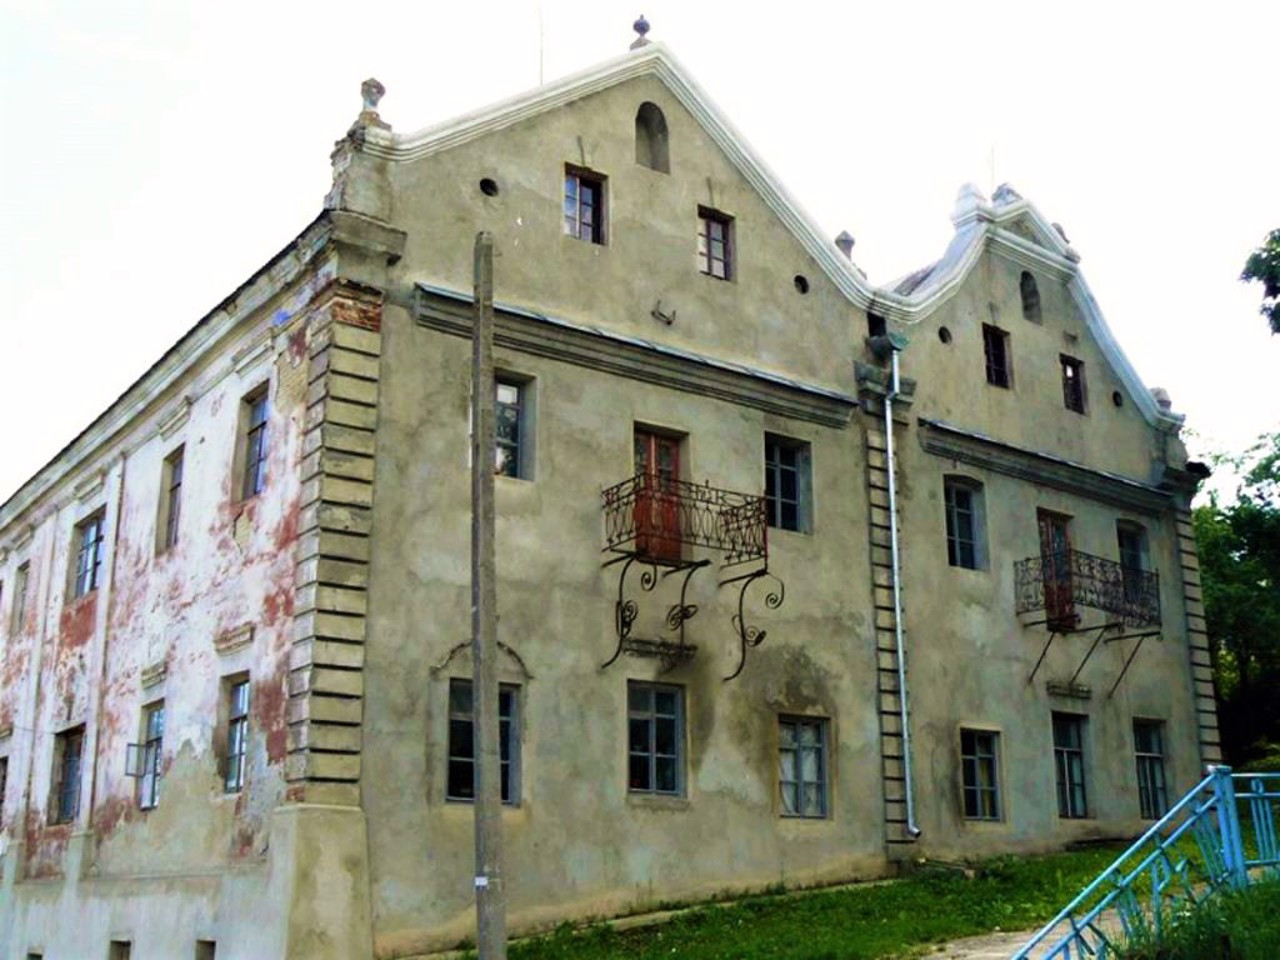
x=371 y=91
x=641 y=27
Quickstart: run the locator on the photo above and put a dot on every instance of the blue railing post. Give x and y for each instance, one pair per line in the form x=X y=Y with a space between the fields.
x=1229 y=826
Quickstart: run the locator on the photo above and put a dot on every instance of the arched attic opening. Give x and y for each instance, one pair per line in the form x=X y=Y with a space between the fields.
x=651 y=138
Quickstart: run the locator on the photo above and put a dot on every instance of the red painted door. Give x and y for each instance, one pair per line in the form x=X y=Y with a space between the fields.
x=657 y=510
x=1055 y=559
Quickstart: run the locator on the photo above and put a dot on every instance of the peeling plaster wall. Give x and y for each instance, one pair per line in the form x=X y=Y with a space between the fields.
x=164 y=625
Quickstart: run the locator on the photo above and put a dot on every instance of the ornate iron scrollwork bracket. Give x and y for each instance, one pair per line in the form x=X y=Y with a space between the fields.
x=750 y=635
x=627 y=610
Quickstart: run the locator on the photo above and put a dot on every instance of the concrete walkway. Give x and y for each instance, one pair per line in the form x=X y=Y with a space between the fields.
x=989 y=946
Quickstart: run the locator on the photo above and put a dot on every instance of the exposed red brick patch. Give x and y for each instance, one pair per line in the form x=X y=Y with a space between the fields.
x=75 y=626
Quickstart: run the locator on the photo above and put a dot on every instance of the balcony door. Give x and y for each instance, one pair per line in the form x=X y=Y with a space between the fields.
x=1055 y=559
x=657 y=509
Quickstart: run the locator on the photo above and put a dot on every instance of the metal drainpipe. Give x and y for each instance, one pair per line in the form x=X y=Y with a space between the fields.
x=912 y=827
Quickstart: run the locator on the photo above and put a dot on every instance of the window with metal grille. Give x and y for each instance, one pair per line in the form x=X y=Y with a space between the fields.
x=237 y=699
x=979 y=761
x=143 y=759
x=68 y=758
x=254 y=411
x=171 y=500
x=88 y=569
x=995 y=345
x=715 y=243
x=1068 y=757
x=802 y=766
x=787 y=483
x=963 y=504
x=1073 y=395
x=461 y=781
x=1153 y=789
x=584 y=205
x=655 y=736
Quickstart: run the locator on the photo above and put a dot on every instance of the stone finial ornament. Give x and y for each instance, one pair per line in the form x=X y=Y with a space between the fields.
x=1005 y=194
x=845 y=242
x=1161 y=396
x=371 y=91
x=641 y=27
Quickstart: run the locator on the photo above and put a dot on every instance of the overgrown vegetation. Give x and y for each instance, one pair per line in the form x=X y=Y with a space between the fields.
x=905 y=917
x=1239 y=545
x=1238 y=925
x=1263 y=266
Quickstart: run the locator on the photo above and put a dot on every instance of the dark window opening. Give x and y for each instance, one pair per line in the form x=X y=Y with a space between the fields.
x=88 y=570
x=68 y=760
x=1068 y=757
x=1072 y=383
x=979 y=760
x=787 y=483
x=489 y=187
x=254 y=477
x=995 y=345
x=655 y=737
x=461 y=784
x=876 y=325
x=651 y=138
x=1030 y=297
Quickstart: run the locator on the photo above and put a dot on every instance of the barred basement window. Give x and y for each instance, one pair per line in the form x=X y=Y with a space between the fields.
x=979 y=760
x=802 y=766
x=461 y=782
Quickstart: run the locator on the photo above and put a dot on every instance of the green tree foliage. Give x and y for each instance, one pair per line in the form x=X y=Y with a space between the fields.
x=1263 y=266
x=1239 y=546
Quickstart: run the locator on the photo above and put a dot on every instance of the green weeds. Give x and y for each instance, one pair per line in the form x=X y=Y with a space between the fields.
x=1236 y=925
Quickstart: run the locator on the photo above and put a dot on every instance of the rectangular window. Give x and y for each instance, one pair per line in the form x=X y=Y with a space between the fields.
x=253 y=411
x=144 y=757
x=206 y=950
x=170 y=500
x=4 y=785
x=1068 y=757
x=88 y=568
x=965 y=523
x=511 y=456
x=462 y=749
x=1072 y=383
x=68 y=757
x=1153 y=790
x=979 y=760
x=655 y=736
x=802 y=766
x=19 y=612
x=237 y=733
x=584 y=205
x=787 y=483
x=995 y=343
x=715 y=243
x=120 y=950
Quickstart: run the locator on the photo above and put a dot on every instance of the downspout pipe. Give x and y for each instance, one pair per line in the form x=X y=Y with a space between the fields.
x=894 y=345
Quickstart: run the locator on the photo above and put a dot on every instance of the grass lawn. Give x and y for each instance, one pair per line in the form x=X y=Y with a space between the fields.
x=850 y=923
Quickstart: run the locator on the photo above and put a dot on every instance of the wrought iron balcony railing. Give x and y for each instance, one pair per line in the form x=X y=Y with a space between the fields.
x=656 y=518
x=1058 y=583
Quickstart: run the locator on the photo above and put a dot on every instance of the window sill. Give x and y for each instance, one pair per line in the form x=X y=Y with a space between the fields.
x=657 y=801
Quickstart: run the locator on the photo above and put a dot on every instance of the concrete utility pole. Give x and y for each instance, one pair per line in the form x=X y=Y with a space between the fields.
x=491 y=898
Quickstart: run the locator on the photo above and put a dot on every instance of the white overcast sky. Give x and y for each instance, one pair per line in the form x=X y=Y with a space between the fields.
x=157 y=152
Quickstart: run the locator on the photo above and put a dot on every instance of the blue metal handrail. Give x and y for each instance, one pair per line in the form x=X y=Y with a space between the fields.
x=1196 y=849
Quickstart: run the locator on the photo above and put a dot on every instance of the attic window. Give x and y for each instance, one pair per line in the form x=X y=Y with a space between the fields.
x=1030 y=298
x=875 y=325
x=651 y=138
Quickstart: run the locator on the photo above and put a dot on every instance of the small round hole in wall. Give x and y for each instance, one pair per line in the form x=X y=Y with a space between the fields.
x=944 y=334
x=489 y=187
x=1117 y=398
x=802 y=283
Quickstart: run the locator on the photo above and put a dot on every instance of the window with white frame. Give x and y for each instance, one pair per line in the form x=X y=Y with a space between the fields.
x=802 y=766
x=87 y=572
x=980 y=773
x=655 y=737
x=788 y=483
x=461 y=779
x=1068 y=758
x=966 y=523
x=1153 y=789
x=237 y=738
x=144 y=758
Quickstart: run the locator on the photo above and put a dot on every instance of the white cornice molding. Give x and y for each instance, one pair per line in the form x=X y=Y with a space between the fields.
x=176 y=419
x=196 y=346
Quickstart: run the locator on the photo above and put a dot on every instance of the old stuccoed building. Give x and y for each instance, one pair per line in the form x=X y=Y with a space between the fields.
x=235 y=611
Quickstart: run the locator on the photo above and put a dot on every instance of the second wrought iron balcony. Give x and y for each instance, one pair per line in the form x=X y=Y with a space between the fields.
x=1059 y=583
x=657 y=518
